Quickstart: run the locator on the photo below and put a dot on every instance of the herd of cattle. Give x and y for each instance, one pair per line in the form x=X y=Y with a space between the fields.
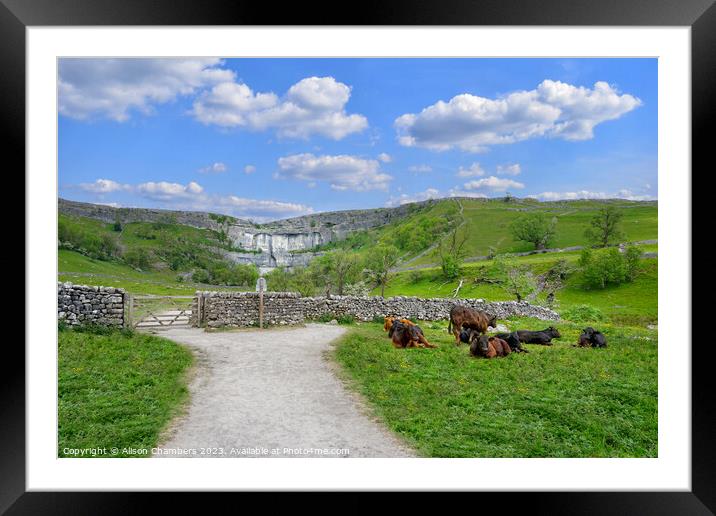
x=470 y=326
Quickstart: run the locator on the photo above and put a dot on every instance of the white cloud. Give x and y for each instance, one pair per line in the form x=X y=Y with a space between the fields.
x=314 y=105
x=493 y=183
x=214 y=168
x=553 y=109
x=474 y=170
x=580 y=194
x=385 y=157
x=112 y=88
x=255 y=209
x=193 y=197
x=457 y=192
x=513 y=169
x=103 y=186
x=430 y=193
x=249 y=169
x=586 y=194
x=420 y=169
x=341 y=172
x=165 y=191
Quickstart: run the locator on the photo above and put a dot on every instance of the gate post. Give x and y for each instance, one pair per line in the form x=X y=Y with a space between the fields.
x=261 y=309
x=130 y=306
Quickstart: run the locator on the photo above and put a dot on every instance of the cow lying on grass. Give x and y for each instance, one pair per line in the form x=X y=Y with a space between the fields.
x=464 y=317
x=513 y=340
x=488 y=347
x=593 y=338
x=408 y=335
x=543 y=337
x=388 y=322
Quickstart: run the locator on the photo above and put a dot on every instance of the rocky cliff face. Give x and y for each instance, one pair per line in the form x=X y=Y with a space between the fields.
x=279 y=243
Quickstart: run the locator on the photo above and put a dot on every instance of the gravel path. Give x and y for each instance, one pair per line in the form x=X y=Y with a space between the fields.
x=272 y=393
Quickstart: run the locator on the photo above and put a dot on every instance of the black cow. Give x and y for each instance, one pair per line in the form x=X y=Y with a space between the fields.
x=543 y=337
x=593 y=337
x=513 y=340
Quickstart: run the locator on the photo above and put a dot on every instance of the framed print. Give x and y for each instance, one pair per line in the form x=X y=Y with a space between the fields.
x=425 y=240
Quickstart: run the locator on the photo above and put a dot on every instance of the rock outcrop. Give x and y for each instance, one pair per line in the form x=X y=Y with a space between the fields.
x=286 y=242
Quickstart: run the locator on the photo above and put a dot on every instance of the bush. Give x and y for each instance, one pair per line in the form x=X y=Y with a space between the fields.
x=582 y=314
x=450 y=267
x=201 y=276
x=346 y=319
x=415 y=276
x=608 y=267
x=139 y=258
x=359 y=288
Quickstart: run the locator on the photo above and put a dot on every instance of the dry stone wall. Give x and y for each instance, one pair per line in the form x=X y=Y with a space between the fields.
x=82 y=304
x=218 y=309
x=221 y=309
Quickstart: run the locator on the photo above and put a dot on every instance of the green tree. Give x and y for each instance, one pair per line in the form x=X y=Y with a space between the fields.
x=378 y=264
x=344 y=268
x=516 y=280
x=452 y=252
x=302 y=281
x=608 y=266
x=605 y=226
x=535 y=228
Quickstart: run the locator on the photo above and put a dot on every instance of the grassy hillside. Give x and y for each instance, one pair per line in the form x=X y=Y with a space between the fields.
x=487 y=222
x=635 y=302
x=146 y=257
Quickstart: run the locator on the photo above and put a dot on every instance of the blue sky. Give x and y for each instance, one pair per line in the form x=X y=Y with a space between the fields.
x=275 y=138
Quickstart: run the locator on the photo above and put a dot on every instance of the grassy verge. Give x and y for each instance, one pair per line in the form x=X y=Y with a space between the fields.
x=557 y=401
x=117 y=389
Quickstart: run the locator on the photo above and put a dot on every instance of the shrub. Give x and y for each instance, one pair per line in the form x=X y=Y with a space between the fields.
x=139 y=258
x=346 y=319
x=201 y=276
x=359 y=288
x=582 y=314
x=450 y=267
x=608 y=267
x=414 y=276
x=631 y=262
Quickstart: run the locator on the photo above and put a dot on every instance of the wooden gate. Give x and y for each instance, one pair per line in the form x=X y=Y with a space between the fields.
x=157 y=312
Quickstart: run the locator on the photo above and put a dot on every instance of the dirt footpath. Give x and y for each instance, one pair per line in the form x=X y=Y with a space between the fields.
x=272 y=393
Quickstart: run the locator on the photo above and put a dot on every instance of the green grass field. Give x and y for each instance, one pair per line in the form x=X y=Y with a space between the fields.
x=117 y=389
x=556 y=401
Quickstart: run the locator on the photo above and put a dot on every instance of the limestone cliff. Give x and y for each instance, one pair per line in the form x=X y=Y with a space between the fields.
x=284 y=242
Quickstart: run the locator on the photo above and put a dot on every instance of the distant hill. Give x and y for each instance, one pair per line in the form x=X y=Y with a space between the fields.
x=415 y=228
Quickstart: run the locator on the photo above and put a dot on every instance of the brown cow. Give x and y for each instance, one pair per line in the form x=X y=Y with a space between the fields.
x=488 y=347
x=388 y=322
x=473 y=319
x=408 y=336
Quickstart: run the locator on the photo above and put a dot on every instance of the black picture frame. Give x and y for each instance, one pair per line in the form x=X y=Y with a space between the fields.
x=700 y=15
